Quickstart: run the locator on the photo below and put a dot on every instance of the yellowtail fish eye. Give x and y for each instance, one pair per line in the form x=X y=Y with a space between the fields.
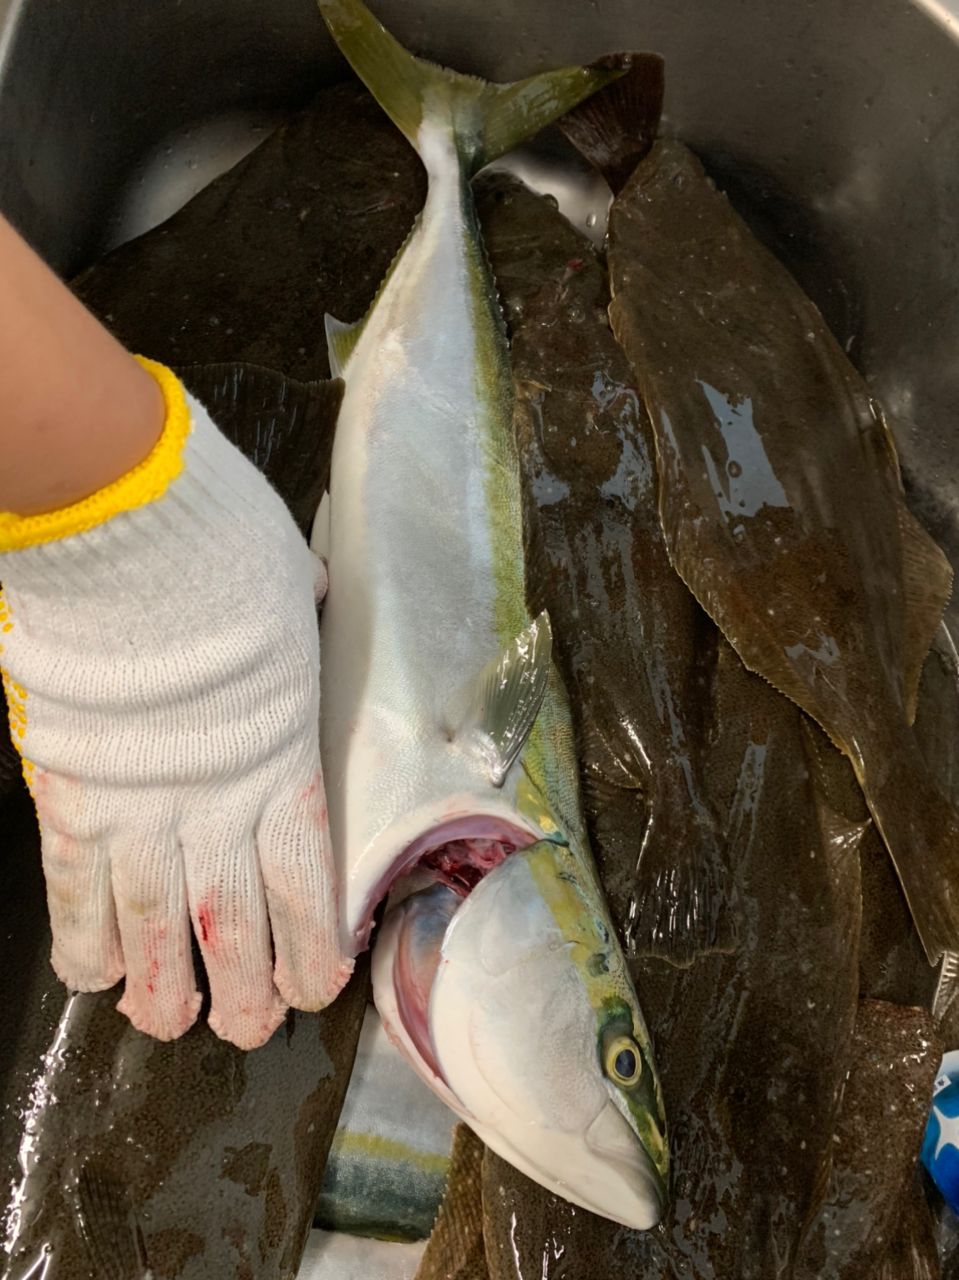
x=624 y=1062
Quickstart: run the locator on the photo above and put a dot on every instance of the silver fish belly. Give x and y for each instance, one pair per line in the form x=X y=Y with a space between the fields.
x=424 y=505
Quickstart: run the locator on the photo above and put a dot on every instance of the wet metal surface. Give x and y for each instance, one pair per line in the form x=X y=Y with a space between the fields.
x=831 y=123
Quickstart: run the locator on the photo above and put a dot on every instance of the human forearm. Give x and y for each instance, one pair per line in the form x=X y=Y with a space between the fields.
x=76 y=411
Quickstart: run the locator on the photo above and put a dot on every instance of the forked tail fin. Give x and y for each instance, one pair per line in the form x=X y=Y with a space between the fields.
x=485 y=119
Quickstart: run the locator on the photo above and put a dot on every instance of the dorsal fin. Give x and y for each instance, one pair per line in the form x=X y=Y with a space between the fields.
x=498 y=709
x=341 y=339
x=109 y=1226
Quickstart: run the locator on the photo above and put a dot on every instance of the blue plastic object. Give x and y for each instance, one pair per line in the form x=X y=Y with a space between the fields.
x=940 y=1146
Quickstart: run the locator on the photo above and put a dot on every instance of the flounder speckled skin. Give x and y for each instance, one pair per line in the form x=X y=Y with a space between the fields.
x=754 y=1044
x=781 y=500
x=627 y=629
x=746 y=1068
x=306 y=223
x=896 y=1054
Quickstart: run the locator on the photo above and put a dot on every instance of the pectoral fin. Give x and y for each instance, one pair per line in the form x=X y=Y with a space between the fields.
x=500 y=707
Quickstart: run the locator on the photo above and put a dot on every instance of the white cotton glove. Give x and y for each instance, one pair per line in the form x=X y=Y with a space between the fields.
x=161 y=663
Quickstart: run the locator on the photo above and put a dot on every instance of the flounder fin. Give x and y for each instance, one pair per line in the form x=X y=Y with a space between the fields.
x=500 y=708
x=341 y=340
x=109 y=1227
x=842 y=821
x=947 y=984
x=484 y=119
x=615 y=129
x=683 y=902
x=832 y=775
x=920 y=828
x=284 y=426
x=840 y=836
x=455 y=1249
x=927 y=585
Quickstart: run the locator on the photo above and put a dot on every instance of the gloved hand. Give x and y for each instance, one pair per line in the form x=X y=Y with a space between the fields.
x=161 y=664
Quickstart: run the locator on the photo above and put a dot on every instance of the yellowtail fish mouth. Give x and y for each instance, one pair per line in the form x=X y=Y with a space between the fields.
x=514 y=1019
x=457 y=852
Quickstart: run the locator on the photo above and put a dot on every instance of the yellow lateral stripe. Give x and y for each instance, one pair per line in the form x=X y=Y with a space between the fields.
x=144 y=483
x=375 y=1145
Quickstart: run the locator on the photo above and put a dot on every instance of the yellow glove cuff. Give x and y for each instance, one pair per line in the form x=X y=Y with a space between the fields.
x=144 y=483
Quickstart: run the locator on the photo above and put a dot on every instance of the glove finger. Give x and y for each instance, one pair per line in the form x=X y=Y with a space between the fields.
x=228 y=909
x=161 y=996
x=86 y=953
x=293 y=843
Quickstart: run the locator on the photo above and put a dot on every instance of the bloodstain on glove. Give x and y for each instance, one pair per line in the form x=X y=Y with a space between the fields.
x=160 y=645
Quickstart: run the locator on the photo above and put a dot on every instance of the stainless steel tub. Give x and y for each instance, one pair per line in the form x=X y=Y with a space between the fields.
x=836 y=123
x=833 y=123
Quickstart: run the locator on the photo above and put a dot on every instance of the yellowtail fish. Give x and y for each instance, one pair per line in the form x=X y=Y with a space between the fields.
x=446 y=736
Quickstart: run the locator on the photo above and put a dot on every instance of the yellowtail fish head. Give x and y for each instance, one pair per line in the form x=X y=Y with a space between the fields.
x=515 y=1005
